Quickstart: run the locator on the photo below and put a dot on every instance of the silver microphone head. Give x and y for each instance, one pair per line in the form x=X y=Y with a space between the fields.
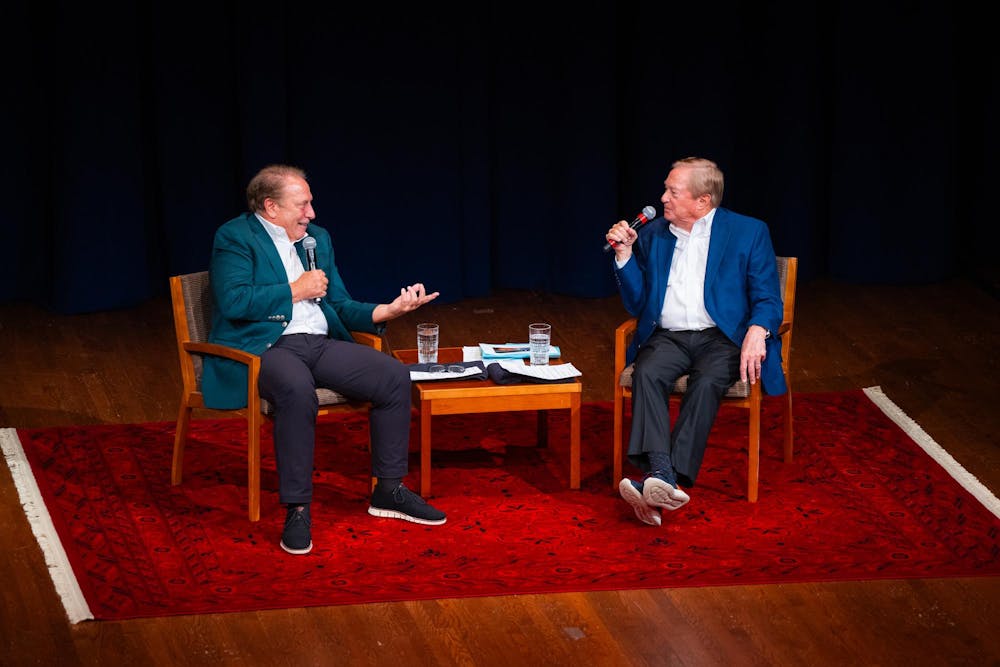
x=647 y=211
x=309 y=243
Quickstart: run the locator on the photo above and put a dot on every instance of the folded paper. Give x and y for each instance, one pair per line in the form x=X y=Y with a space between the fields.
x=512 y=351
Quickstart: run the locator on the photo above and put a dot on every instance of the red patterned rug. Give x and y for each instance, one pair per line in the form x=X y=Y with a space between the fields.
x=866 y=498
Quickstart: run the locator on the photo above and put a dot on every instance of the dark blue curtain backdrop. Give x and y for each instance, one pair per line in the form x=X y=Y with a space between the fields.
x=490 y=146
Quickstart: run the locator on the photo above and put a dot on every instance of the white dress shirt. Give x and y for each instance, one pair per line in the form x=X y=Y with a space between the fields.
x=684 y=304
x=306 y=314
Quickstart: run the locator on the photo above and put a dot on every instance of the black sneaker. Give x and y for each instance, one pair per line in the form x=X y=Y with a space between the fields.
x=297 y=539
x=401 y=503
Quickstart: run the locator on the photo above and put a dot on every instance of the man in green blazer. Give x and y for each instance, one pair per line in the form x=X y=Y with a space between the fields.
x=287 y=303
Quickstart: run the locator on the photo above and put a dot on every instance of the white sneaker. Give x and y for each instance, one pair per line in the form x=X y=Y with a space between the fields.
x=649 y=515
x=658 y=493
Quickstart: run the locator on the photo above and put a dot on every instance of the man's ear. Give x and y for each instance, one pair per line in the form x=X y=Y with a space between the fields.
x=270 y=207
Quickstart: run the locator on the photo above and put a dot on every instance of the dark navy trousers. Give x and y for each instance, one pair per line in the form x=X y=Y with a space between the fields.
x=290 y=372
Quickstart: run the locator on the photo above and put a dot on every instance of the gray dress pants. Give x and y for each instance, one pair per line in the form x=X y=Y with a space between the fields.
x=713 y=363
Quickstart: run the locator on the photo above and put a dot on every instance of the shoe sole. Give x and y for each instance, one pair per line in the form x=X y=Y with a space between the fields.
x=643 y=512
x=393 y=514
x=297 y=552
x=658 y=493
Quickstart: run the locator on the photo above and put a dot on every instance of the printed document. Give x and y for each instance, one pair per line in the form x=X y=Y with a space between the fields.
x=550 y=372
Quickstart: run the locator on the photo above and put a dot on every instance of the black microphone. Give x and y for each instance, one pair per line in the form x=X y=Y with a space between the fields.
x=648 y=213
x=309 y=245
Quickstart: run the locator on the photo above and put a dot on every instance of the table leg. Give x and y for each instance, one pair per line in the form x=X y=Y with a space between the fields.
x=574 y=442
x=425 y=448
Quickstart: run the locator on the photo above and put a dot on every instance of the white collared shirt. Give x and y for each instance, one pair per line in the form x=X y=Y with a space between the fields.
x=684 y=303
x=307 y=317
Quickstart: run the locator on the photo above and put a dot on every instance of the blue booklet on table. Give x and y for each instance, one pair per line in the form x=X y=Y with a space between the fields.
x=512 y=351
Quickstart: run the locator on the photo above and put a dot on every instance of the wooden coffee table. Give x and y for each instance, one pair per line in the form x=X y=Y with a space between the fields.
x=459 y=397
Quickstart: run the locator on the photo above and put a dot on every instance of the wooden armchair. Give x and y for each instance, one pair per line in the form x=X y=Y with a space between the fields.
x=741 y=394
x=192 y=305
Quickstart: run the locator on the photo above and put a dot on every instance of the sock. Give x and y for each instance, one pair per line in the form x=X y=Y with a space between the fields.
x=660 y=466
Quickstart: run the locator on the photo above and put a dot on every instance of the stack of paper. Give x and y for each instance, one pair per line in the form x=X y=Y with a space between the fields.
x=512 y=351
x=423 y=376
x=552 y=372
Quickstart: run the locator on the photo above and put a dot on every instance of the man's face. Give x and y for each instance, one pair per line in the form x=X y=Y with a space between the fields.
x=293 y=209
x=679 y=207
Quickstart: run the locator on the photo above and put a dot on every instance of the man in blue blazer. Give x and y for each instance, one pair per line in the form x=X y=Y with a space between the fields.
x=270 y=300
x=702 y=283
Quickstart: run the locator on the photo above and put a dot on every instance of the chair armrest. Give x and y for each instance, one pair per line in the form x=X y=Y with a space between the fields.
x=251 y=361
x=623 y=335
x=785 y=333
x=371 y=340
x=215 y=350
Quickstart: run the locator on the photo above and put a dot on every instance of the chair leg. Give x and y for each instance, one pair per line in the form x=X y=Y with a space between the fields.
x=253 y=464
x=789 y=429
x=753 y=444
x=374 y=478
x=180 y=438
x=617 y=435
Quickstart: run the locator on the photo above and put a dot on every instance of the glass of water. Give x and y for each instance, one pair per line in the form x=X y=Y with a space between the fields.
x=539 y=337
x=427 y=343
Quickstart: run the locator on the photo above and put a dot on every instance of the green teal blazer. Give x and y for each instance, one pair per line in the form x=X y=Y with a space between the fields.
x=252 y=303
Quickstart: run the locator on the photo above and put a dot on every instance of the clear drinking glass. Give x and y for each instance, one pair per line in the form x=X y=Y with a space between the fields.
x=539 y=337
x=427 y=343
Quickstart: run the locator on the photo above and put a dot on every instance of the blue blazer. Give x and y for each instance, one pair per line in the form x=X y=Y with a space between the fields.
x=741 y=284
x=253 y=303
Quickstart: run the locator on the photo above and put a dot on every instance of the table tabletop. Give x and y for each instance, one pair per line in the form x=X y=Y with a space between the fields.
x=469 y=388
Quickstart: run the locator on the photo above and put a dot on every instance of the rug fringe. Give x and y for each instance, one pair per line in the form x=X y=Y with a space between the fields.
x=41 y=525
x=936 y=451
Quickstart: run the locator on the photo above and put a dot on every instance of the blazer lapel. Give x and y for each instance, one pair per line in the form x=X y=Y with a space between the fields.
x=721 y=231
x=663 y=255
x=301 y=251
x=266 y=246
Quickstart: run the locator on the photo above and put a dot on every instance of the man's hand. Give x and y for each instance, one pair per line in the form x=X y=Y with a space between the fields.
x=623 y=236
x=752 y=353
x=310 y=285
x=410 y=298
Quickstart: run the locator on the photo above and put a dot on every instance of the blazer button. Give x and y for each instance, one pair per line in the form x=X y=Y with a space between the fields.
x=284 y=324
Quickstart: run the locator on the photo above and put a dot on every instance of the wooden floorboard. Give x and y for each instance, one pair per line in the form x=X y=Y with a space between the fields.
x=931 y=348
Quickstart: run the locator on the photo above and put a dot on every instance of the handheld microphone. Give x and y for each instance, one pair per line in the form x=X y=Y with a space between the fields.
x=648 y=213
x=309 y=245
